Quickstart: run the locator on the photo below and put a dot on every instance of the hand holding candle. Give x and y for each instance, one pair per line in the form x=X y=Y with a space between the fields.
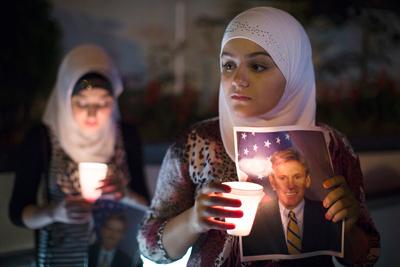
x=209 y=205
x=250 y=195
x=90 y=176
x=235 y=202
x=114 y=187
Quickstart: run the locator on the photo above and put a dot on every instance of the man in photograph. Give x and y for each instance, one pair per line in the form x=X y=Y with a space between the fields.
x=290 y=223
x=105 y=252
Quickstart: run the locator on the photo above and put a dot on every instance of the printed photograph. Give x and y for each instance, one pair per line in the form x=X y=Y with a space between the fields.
x=291 y=164
x=114 y=241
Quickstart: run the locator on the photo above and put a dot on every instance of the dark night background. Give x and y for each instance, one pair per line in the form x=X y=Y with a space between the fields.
x=355 y=48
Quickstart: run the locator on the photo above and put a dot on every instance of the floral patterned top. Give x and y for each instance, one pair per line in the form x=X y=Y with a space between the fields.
x=199 y=157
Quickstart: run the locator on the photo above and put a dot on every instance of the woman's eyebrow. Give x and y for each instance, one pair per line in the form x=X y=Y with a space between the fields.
x=258 y=53
x=80 y=95
x=227 y=54
x=251 y=55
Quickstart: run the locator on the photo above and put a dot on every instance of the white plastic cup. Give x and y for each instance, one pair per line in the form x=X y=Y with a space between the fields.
x=90 y=175
x=250 y=194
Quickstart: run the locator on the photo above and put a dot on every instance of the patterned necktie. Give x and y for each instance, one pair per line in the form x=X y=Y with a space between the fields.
x=293 y=235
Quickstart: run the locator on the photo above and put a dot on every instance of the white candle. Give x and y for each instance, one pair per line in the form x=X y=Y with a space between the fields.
x=90 y=175
x=250 y=195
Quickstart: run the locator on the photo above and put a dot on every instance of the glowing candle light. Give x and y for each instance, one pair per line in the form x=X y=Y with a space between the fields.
x=90 y=175
x=250 y=195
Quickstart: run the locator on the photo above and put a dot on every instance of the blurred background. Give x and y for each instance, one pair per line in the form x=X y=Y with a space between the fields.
x=168 y=54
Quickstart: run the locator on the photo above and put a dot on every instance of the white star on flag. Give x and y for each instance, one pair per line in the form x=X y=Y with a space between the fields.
x=267 y=144
x=255 y=147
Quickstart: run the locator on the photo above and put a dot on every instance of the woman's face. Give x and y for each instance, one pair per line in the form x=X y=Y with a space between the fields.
x=252 y=83
x=92 y=109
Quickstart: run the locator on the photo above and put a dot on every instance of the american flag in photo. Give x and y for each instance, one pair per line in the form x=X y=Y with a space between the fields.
x=254 y=150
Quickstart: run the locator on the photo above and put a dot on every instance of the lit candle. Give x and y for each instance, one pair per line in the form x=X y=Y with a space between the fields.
x=250 y=195
x=90 y=175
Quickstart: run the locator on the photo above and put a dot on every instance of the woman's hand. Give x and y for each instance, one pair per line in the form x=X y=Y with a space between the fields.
x=73 y=210
x=340 y=202
x=182 y=231
x=208 y=210
x=114 y=186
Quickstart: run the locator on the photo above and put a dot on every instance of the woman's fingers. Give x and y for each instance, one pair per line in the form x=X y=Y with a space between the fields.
x=211 y=207
x=340 y=202
x=337 y=207
x=109 y=189
x=334 y=181
x=115 y=186
x=219 y=200
x=72 y=209
x=347 y=213
x=220 y=212
x=216 y=188
x=213 y=223
x=334 y=195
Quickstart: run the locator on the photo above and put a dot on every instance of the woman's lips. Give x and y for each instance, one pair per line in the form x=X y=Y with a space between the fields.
x=240 y=97
x=91 y=123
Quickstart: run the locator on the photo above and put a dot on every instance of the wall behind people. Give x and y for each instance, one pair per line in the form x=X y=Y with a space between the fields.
x=158 y=45
x=157 y=48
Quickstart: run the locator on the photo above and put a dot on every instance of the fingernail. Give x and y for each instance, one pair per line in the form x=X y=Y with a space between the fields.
x=328 y=216
x=227 y=188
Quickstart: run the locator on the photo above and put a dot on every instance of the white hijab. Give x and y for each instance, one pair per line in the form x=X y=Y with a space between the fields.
x=286 y=41
x=58 y=114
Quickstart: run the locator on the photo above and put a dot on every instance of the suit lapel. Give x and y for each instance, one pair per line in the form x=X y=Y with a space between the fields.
x=310 y=227
x=279 y=235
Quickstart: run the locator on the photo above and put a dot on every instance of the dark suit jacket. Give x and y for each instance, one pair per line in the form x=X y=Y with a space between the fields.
x=120 y=259
x=267 y=235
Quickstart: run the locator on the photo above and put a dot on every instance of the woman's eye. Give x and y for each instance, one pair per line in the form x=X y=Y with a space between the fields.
x=228 y=66
x=80 y=104
x=258 y=67
x=105 y=104
x=102 y=105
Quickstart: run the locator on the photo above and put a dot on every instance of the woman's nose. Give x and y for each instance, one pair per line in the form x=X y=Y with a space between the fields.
x=240 y=80
x=92 y=110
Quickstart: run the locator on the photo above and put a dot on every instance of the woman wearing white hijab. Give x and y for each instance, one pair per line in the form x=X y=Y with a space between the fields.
x=80 y=123
x=267 y=79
